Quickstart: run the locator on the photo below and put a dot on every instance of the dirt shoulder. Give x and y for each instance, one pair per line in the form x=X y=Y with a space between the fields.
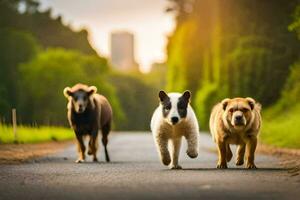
x=18 y=153
x=289 y=158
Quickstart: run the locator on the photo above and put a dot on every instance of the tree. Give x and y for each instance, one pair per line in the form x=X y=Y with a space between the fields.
x=44 y=78
x=232 y=48
x=15 y=47
x=48 y=31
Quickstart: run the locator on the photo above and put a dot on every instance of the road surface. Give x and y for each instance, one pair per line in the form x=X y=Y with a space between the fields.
x=136 y=173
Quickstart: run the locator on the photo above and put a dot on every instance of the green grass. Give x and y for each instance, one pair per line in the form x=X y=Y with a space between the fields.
x=35 y=135
x=282 y=130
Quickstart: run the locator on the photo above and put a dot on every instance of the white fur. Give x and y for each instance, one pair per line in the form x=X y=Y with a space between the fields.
x=164 y=133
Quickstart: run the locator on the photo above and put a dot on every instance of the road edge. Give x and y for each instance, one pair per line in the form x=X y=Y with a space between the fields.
x=21 y=153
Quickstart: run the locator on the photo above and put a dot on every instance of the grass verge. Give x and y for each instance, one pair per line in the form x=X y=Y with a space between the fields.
x=34 y=134
x=283 y=128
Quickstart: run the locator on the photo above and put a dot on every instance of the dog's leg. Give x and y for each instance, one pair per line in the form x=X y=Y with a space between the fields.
x=228 y=153
x=162 y=146
x=93 y=146
x=104 y=142
x=105 y=132
x=192 y=144
x=222 y=164
x=251 y=146
x=80 y=148
x=175 y=144
x=240 y=154
x=90 y=151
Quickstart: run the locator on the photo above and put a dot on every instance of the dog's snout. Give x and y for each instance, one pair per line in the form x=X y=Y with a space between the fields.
x=80 y=107
x=174 y=120
x=239 y=120
x=239 y=117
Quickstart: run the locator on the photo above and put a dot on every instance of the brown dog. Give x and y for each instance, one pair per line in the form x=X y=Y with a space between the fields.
x=88 y=113
x=236 y=121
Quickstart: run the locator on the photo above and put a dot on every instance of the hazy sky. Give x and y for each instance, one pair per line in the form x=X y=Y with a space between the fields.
x=145 y=18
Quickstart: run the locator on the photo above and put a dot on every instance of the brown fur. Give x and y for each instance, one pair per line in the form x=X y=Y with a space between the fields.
x=225 y=131
x=97 y=116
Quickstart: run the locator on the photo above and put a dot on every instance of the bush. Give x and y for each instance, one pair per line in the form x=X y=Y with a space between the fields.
x=281 y=122
x=137 y=99
x=290 y=95
x=291 y=92
x=282 y=129
x=205 y=99
x=44 y=78
x=256 y=65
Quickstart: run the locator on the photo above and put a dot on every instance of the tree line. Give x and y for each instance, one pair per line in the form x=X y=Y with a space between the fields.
x=39 y=56
x=233 y=48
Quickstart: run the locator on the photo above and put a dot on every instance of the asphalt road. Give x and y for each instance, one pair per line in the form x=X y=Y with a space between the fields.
x=136 y=173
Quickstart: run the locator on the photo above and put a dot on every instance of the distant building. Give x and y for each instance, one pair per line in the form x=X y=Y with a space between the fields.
x=122 y=51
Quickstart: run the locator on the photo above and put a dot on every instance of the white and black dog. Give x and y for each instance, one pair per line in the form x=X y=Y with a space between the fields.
x=172 y=119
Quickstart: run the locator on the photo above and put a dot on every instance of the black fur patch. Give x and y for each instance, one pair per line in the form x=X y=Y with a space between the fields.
x=85 y=122
x=165 y=102
x=166 y=106
x=182 y=106
x=80 y=94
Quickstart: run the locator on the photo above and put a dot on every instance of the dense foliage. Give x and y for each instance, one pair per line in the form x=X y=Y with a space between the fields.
x=137 y=99
x=281 y=121
x=15 y=47
x=231 y=48
x=39 y=56
x=44 y=78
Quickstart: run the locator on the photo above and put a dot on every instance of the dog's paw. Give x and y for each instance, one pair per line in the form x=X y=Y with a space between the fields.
x=79 y=160
x=222 y=165
x=175 y=167
x=166 y=160
x=239 y=162
x=251 y=166
x=192 y=154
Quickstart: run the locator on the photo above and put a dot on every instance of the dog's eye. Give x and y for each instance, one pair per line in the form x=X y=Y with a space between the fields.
x=231 y=110
x=168 y=108
x=181 y=109
x=245 y=110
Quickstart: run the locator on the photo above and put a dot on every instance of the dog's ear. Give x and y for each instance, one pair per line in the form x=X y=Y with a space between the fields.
x=187 y=95
x=258 y=106
x=67 y=92
x=92 y=90
x=251 y=102
x=162 y=95
x=225 y=103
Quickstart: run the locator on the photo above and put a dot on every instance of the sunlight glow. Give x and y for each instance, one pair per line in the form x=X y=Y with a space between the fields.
x=146 y=19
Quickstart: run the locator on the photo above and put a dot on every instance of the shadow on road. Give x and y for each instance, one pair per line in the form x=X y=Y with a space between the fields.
x=238 y=169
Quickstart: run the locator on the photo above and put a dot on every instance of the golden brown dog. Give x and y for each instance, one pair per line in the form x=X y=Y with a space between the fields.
x=236 y=121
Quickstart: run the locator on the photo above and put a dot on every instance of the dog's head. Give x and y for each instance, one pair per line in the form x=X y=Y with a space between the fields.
x=79 y=95
x=174 y=106
x=238 y=112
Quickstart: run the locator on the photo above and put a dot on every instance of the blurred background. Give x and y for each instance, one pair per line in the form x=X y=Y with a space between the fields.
x=132 y=49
